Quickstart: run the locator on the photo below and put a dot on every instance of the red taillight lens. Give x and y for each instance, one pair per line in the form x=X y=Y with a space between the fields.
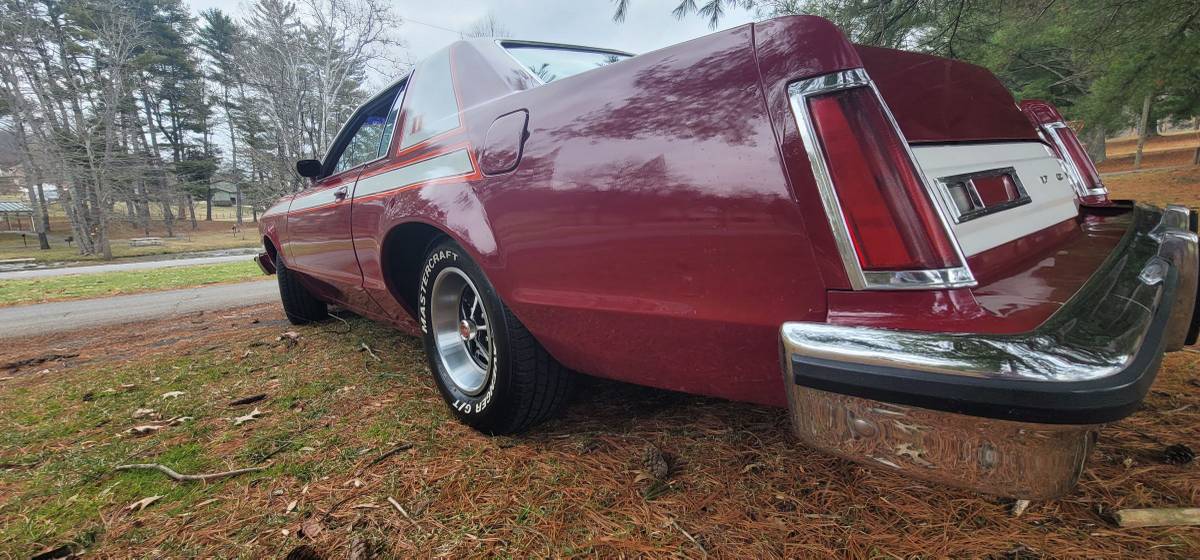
x=1066 y=144
x=891 y=219
x=1083 y=164
x=996 y=189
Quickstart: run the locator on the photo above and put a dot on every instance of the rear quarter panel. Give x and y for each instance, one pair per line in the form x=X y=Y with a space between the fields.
x=648 y=234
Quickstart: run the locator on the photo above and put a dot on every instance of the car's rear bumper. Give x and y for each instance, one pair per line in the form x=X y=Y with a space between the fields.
x=1013 y=415
x=265 y=263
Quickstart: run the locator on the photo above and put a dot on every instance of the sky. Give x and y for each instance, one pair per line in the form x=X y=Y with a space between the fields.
x=432 y=24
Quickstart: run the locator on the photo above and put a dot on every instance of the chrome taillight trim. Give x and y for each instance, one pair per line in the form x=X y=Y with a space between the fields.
x=1073 y=170
x=798 y=94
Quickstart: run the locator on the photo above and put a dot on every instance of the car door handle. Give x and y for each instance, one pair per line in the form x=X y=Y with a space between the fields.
x=340 y=194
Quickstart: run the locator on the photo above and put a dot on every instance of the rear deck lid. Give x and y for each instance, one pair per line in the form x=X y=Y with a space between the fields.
x=938 y=100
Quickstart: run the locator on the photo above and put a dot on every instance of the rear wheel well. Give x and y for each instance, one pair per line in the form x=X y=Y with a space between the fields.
x=269 y=247
x=402 y=254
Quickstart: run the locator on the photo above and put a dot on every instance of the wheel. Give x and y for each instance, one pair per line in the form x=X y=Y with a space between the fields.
x=300 y=306
x=488 y=367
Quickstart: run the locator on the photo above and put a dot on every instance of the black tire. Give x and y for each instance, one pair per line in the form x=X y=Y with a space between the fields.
x=300 y=306
x=523 y=386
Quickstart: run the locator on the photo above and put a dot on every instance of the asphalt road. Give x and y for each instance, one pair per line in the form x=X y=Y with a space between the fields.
x=44 y=318
x=136 y=265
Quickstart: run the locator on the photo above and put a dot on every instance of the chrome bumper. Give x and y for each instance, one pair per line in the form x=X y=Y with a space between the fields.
x=1013 y=415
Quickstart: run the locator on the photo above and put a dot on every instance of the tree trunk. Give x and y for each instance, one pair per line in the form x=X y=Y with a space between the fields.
x=191 y=208
x=41 y=193
x=1196 y=152
x=208 y=202
x=1143 y=127
x=1095 y=142
x=38 y=226
x=168 y=217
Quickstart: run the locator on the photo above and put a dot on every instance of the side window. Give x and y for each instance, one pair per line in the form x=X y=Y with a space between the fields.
x=550 y=63
x=431 y=107
x=370 y=132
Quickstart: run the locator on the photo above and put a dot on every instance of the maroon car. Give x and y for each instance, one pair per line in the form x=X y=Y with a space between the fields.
x=928 y=276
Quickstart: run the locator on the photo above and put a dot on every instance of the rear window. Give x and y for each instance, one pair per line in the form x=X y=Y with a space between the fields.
x=554 y=63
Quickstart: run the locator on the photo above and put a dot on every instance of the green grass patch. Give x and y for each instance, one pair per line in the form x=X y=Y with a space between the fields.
x=77 y=286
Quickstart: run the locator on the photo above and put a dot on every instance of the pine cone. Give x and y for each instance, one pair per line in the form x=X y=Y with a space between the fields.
x=655 y=463
x=1178 y=454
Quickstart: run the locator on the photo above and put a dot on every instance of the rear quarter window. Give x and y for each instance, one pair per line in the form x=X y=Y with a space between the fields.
x=551 y=63
x=430 y=107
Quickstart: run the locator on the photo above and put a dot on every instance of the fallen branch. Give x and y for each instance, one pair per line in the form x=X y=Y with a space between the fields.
x=394 y=450
x=186 y=477
x=362 y=347
x=400 y=508
x=1158 y=517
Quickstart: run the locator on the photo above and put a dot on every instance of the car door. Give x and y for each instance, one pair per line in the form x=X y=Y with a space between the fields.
x=320 y=245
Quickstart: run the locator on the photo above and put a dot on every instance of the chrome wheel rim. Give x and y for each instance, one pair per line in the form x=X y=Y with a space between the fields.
x=461 y=331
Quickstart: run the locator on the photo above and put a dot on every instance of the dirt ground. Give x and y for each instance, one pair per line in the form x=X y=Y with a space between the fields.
x=1169 y=150
x=342 y=430
x=739 y=485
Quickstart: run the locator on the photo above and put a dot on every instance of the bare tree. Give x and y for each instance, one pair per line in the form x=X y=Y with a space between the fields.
x=487 y=26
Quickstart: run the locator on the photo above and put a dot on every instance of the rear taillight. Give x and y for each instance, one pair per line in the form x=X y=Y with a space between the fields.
x=889 y=233
x=1066 y=145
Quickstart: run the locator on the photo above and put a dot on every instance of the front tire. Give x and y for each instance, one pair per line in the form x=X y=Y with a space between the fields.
x=300 y=306
x=487 y=366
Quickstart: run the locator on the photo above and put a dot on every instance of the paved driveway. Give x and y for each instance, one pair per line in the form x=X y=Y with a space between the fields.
x=44 y=318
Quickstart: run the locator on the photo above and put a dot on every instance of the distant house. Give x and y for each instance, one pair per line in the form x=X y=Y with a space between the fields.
x=16 y=216
x=224 y=193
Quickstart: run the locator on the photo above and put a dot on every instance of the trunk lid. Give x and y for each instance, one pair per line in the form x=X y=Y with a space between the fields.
x=994 y=178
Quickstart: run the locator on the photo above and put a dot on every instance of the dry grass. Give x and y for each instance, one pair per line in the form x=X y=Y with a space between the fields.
x=1159 y=187
x=1171 y=150
x=208 y=236
x=739 y=486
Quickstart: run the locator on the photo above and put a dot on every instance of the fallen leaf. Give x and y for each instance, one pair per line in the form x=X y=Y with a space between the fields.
x=311 y=528
x=144 y=430
x=173 y=394
x=364 y=506
x=291 y=506
x=143 y=412
x=178 y=420
x=254 y=414
x=142 y=503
